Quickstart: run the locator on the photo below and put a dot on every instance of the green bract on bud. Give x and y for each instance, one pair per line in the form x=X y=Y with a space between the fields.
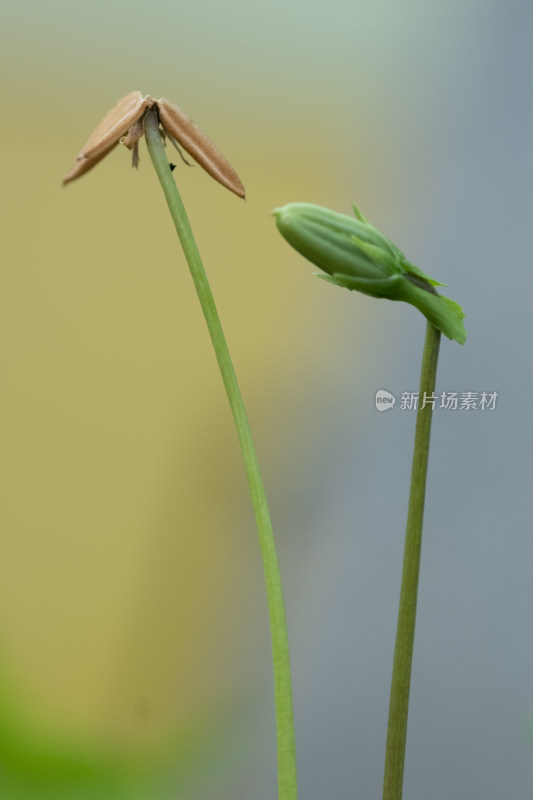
x=356 y=255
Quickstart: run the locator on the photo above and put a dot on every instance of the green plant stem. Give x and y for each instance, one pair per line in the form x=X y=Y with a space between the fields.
x=405 y=633
x=286 y=751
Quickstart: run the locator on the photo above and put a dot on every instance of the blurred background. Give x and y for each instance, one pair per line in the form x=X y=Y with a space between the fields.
x=134 y=646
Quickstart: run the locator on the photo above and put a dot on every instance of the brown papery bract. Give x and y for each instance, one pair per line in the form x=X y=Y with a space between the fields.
x=122 y=124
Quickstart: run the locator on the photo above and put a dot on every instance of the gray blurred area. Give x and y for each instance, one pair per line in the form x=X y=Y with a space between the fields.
x=471 y=714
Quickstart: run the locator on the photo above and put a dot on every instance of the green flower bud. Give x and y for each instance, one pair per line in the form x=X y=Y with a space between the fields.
x=355 y=255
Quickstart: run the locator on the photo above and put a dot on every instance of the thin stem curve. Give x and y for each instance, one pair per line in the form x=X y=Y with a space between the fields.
x=405 y=633
x=286 y=750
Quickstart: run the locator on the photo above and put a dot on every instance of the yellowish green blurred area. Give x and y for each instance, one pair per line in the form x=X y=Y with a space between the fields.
x=123 y=466
x=130 y=582
x=130 y=578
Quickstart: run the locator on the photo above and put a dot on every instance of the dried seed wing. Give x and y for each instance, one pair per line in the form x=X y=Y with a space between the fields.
x=116 y=122
x=179 y=126
x=108 y=132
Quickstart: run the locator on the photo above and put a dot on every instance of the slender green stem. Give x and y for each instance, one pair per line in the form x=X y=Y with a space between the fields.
x=287 y=785
x=405 y=633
